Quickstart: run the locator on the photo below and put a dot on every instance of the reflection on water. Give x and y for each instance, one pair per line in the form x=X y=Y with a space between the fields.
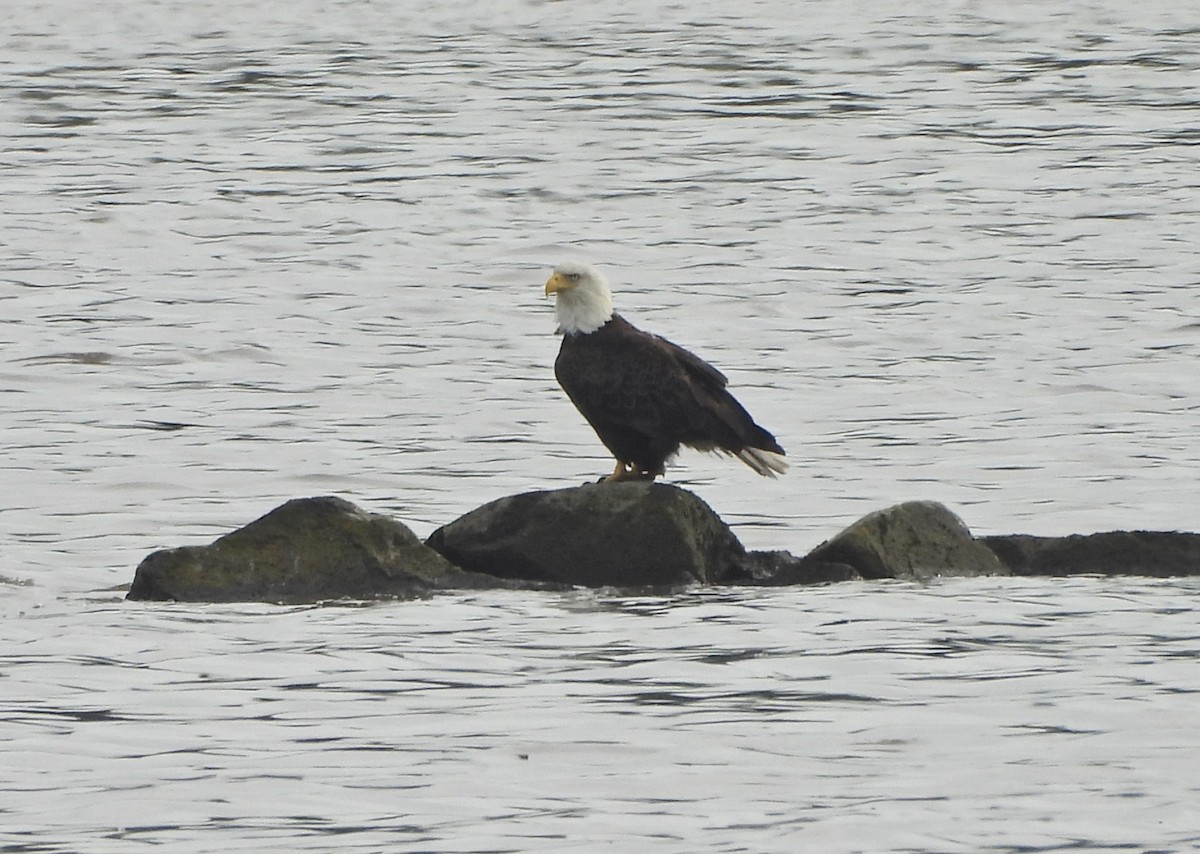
x=943 y=254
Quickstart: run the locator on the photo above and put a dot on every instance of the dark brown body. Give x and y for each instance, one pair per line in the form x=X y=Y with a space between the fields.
x=645 y=396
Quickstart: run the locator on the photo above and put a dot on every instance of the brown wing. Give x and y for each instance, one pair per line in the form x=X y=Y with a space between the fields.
x=723 y=423
x=626 y=381
x=620 y=377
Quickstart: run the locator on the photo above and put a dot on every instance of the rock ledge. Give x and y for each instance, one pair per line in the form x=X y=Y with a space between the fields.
x=630 y=536
x=307 y=550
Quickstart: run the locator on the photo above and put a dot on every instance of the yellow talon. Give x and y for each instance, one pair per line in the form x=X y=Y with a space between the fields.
x=628 y=471
x=621 y=472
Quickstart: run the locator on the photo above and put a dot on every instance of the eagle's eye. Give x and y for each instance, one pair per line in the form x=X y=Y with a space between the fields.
x=574 y=277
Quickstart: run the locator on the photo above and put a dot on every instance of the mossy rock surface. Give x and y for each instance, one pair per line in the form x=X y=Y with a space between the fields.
x=307 y=550
x=917 y=540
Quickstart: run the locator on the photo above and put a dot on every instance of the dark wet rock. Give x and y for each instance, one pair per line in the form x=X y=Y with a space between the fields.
x=782 y=568
x=307 y=550
x=632 y=534
x=1156 y=553
x=917 y=539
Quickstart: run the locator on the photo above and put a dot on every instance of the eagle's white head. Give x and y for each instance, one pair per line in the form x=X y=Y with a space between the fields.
x=583 y=301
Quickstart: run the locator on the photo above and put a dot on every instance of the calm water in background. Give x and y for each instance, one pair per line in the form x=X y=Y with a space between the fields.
x=297 y=249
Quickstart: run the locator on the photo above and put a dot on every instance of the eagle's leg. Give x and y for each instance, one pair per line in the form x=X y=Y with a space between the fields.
x=623 y=471
x=629 y=471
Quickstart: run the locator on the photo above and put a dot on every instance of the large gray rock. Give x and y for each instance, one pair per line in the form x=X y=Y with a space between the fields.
x=307 y=550
x=631 y=534
x=917 y=539
x=1158 y=553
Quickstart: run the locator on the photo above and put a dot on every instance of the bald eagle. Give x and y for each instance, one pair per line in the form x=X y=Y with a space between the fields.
x=643 y=395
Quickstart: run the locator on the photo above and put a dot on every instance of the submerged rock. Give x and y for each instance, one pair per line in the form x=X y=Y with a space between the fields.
x=782 y=568
x=1156 y=553
x=630 y=534
x=307 y=550
x=917 y=539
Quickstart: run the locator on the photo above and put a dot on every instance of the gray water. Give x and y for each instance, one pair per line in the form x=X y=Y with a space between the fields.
x=276 y=250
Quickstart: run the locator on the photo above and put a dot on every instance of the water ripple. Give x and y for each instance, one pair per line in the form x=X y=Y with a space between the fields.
x=943 y=254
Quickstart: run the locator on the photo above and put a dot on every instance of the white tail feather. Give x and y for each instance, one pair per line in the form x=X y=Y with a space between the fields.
x=766 y=463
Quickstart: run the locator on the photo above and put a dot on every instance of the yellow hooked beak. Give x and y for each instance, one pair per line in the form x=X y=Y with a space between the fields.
x=558 y=282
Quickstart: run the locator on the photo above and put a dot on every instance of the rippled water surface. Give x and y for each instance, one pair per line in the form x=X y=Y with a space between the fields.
x=272 y=250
